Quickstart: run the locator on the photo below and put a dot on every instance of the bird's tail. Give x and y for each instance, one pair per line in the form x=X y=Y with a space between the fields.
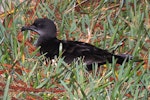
x=125 y=57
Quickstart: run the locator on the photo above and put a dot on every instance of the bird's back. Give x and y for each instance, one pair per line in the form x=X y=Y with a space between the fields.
x=89 y=53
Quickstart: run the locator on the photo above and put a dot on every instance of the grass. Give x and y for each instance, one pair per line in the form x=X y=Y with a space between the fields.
x=120 y=27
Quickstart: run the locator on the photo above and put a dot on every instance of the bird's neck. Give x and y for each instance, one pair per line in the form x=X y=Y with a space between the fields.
x=45 y=40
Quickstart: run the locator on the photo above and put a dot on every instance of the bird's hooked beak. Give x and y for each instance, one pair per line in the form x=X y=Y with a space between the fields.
x=32 y=28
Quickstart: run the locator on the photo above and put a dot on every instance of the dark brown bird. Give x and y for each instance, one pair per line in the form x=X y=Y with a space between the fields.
x=71 y=50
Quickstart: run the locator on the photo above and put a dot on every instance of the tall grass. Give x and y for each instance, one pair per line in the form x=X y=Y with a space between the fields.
x=118 y=26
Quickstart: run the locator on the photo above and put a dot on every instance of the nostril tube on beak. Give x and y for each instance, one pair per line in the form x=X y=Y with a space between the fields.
x=23 y=28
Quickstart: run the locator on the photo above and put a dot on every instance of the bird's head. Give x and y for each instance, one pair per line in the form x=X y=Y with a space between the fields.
x=43 y=26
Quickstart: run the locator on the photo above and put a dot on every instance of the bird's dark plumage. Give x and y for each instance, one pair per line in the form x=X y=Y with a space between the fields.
x=71 y=49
